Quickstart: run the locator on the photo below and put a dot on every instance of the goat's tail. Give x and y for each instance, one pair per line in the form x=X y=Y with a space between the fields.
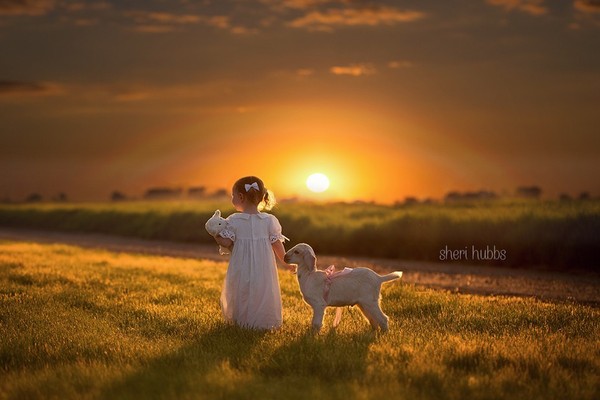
x=390 y=277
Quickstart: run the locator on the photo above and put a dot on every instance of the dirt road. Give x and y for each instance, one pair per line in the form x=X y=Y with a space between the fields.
x=483 y=280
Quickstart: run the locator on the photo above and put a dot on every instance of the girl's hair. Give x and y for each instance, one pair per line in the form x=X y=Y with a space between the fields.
x=263 y=198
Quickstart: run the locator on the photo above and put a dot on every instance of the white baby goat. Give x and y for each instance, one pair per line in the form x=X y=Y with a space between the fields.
x=359 y=287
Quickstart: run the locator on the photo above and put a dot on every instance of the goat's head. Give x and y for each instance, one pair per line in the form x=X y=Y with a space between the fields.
x=303 y=256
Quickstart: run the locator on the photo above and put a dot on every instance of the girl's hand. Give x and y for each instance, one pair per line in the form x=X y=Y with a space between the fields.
x=291 y=267
x=221 y=241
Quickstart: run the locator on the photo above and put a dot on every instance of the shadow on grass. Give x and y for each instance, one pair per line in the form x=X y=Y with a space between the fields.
x=328 y=357
x=189 y=368
x=230 y=362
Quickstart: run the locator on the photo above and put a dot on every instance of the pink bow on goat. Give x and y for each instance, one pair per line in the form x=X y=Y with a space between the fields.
x=331 y=273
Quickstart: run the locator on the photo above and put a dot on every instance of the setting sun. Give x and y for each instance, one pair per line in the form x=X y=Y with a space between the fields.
x=317 y=183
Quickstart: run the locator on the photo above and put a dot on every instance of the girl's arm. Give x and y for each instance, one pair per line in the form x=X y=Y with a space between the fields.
x=279 y=251
x=221 y=241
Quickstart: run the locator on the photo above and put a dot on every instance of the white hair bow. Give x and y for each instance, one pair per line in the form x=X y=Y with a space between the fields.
x=252 y=186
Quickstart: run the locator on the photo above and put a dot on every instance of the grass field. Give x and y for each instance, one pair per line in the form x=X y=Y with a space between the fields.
x=78 y=324
x=561 y=235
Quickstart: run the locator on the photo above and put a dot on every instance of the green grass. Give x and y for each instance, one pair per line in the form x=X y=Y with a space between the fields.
x=560 y=235
x=78 y=324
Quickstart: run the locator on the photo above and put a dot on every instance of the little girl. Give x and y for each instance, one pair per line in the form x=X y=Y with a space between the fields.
x=251 y=296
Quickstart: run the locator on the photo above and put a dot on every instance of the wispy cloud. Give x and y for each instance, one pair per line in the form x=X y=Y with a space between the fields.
x=26 y=7
x=161 y=22
x=43 y=7
x=372 y=16
x=305 y=72
x=312 y=15
x=294 y=4
x=147 y=28
x=145 y=17
x=353 y=70
x=531 y=7
x=587 y=6
x=147 y=92
x=397 y=64
x=24 y=88
x=84 y=21
x=134 y=96
x=78 y=6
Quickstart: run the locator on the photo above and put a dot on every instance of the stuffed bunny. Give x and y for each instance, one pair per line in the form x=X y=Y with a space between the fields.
x=216 y=225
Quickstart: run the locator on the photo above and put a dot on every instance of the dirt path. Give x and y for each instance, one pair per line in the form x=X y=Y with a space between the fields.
x=484 y=280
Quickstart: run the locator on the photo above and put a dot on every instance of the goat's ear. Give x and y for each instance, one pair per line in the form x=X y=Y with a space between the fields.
x=217 y=213
x=309 y=258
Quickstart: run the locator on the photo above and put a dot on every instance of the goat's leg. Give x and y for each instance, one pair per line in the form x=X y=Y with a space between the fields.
x=338 y=316
x=382 y=318
x=318 y=314
x=367 y=312
x=379 y=318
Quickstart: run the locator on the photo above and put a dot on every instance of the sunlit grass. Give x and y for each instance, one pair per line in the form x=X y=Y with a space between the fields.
x=80 y=323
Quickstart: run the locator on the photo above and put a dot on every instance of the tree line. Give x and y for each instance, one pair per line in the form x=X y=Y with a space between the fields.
x=533 y=192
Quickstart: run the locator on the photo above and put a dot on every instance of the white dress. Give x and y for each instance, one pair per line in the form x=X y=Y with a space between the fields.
x=251 y=296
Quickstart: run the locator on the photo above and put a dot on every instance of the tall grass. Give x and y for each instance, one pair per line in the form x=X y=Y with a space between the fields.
x=555 y=234
x=87 y=324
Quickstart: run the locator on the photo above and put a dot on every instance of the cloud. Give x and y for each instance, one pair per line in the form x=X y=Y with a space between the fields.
x=133 y=96
x=396 y=64
x=146 y=17
x=218 y=21
x=372 y=16
x=87 y=6
x=85 y=21
x=242 y=30
x=23 y=88
x=43 y=7
x=145 y=92
x=353 y=70
x=26 y=7
x=531 y=7
x=144 y=28
x=280 y=5
x=162 y=22
x=587 y=6
x=305 y=72
x=77 y=13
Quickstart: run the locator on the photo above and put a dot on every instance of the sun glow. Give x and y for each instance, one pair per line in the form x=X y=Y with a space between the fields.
x=317 y=183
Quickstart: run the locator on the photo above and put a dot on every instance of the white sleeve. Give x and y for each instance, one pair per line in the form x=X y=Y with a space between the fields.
x=275 y=231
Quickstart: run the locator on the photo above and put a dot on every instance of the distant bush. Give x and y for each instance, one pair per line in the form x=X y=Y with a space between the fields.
x=529 y=192
x=552 y=233
x=118 y=196
x=470 y=196
x=34 y=198
x=163 y=193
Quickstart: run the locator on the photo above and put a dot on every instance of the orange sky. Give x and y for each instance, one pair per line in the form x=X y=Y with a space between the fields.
x=388 y=98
